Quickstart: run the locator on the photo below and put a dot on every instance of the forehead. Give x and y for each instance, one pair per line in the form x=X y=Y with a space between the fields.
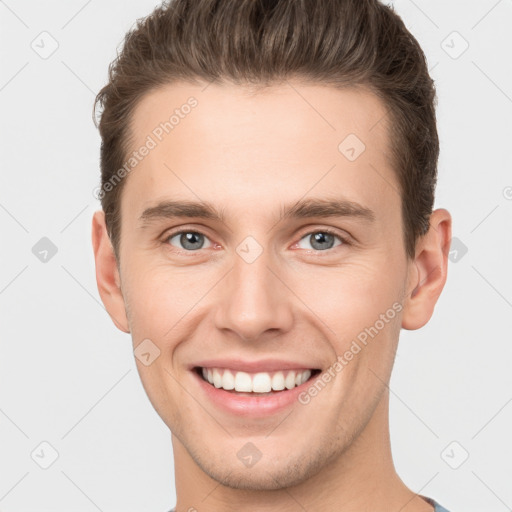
x=233 y=144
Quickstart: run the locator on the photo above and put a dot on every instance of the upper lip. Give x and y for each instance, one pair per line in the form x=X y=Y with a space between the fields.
x=263 y=365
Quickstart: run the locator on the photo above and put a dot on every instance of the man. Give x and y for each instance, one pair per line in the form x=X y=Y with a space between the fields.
x=268 y=176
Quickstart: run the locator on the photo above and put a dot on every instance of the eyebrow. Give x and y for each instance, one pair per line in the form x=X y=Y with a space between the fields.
x=302 y=209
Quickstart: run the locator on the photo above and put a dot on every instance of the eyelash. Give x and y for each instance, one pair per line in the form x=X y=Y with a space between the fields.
x=344 y=240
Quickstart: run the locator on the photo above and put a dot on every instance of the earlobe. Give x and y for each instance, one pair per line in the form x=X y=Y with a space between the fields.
x=107 y=274
x=428 y=273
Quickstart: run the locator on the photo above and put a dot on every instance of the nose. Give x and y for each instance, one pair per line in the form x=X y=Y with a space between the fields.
x=255 y=301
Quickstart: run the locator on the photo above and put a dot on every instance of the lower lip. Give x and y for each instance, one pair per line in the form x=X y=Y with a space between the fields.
x=246 y=405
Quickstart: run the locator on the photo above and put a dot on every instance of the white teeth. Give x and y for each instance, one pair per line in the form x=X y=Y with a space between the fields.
x=217 y=378
x=261 y=382
x=289 y=381
x=243 y=382
x=228 y=380
x=278 y=381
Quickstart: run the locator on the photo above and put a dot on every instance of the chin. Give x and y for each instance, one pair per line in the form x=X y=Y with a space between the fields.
x=264 y=475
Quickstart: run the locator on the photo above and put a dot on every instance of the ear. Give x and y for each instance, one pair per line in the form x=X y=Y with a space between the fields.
x=107 y=274
x=428 y=271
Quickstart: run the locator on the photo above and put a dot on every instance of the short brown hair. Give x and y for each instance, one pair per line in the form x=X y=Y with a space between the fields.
x=341 y=43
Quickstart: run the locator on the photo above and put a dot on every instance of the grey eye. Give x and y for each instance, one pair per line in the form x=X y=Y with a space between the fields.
x=321 y=240
x=189 y=240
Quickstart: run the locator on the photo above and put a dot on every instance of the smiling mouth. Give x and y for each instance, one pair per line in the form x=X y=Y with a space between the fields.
x=254 y=384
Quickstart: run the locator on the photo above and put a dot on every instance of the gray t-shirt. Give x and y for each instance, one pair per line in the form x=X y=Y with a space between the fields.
x=437 y=507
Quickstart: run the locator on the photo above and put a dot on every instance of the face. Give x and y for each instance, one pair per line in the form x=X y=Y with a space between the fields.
x=258 y=239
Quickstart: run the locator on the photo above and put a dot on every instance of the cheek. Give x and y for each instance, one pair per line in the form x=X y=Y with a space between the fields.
x=358 y=308
x=350 y=296
x=160 y=296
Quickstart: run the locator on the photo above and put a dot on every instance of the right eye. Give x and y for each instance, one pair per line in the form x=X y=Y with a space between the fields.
x=190 y=240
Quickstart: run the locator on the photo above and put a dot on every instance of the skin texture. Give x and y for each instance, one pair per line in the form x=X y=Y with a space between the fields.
x=249 y=153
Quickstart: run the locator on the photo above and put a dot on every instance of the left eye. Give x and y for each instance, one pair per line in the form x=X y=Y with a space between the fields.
x=190 y=240
x=321 y=240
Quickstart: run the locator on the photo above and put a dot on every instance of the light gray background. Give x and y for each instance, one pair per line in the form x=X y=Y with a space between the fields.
x=68 y=376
